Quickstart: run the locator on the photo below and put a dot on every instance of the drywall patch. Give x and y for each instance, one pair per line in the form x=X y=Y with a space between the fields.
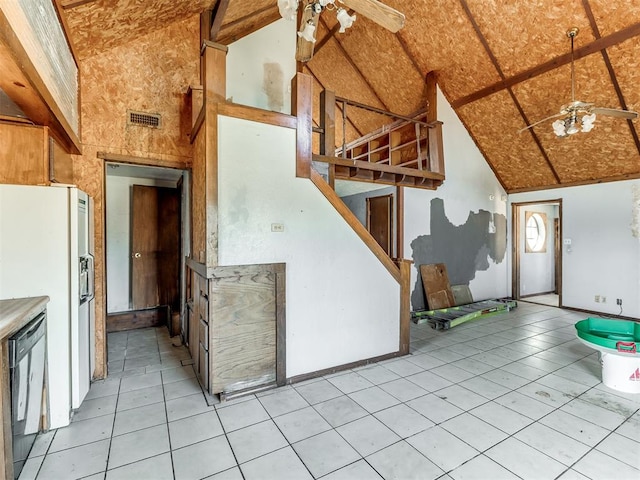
x=273 y=86
x=635 y=212
x=464 y=249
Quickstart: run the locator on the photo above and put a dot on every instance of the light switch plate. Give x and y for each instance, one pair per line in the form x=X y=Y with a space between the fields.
x=277 y=227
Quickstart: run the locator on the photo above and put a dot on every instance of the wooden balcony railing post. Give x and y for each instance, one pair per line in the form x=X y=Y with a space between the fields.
x=328 y=125
x=301 y=107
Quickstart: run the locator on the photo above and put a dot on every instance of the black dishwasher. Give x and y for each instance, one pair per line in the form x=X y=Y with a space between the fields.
x=26 y=363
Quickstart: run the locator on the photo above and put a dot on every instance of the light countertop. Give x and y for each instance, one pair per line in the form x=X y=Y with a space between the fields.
x=17 y=312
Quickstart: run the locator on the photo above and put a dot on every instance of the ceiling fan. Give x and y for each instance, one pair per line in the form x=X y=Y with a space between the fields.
x=578 y=115
x=380 y=13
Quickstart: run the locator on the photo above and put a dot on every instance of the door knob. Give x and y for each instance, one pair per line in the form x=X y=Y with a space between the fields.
x=137 y=255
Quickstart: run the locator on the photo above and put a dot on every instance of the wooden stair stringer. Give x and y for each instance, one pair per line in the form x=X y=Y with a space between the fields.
x=355 y=224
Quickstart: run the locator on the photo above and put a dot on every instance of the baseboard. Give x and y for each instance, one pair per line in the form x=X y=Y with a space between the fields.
x=538 y=294
x=609 y=315
x=134 y=319
x=340 y=368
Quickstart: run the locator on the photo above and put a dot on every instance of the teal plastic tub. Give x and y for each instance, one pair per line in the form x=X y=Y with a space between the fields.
x=620 y=335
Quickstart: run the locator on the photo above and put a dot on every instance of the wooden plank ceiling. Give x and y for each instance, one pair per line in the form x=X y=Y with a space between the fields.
x=502 y=65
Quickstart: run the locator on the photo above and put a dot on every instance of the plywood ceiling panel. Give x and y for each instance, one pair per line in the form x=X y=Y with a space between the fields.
x=626 y=63
x=507 y=27
x=440 y=37
x=494 y=122
x=395 y=79
x=239 y=9
x=103 y=24
x=335 y=72
x=608 y=150
x=614 y=15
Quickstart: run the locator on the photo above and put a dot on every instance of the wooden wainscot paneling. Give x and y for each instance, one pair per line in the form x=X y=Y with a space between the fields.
x=246 y=328
x=24 y=157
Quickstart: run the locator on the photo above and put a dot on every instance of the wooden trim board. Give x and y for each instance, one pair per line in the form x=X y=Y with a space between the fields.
x=340 y=368
x=148 y=317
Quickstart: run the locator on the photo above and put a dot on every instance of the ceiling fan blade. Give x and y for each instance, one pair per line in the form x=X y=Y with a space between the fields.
x=382 y=14
x=304 y=48
x=540 y=121
x=613 y=112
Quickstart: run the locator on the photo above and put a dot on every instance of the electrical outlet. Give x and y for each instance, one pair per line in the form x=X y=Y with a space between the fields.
x=619 y=301
x=603 y=299
x=596 y=299
x=277 y=227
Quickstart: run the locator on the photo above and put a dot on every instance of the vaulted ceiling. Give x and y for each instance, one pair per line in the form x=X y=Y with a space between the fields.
x=501 y=64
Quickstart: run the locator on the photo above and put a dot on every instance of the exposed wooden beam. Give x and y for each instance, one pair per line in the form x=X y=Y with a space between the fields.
x=255 y=21
x=496 y=65
x=326 y=38
x=593 y=47
x=356 y=68
x=616 y=178
x=67 y=4
x=612 y=74
x=218 y=17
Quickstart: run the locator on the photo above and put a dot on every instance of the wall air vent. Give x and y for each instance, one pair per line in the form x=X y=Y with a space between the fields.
x=152 y=120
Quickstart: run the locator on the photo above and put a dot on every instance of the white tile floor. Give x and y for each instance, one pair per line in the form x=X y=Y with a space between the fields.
x=511 y=396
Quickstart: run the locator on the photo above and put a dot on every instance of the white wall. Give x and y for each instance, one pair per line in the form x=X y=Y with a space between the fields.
x=260 y=67
x=467 y=188
x=537 y=269
x=342 y=304
x=118 y=198
x=604 y=256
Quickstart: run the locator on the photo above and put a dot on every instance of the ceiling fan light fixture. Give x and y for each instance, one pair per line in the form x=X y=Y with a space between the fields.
x=288 y=8
x=345 y=19
x=308 y=32
x=588 y=121
x=559 y=128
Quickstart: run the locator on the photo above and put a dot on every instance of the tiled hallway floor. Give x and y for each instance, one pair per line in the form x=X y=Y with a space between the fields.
x=511 y=396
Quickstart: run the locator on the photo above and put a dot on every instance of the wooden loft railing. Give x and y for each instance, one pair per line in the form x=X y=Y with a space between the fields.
x=407 y=152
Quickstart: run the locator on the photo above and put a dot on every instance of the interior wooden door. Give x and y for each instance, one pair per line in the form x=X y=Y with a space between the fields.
x=379 y=221
x=155 y=240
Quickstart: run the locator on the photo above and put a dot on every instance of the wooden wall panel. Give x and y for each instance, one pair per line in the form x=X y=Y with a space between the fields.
x=514 y=156
x=151 y=75
x=518 y=49
x=396 y=80
x=24 y=154
x=122 y=22
x=608 y=150
x=441 y=38
x=243 y=336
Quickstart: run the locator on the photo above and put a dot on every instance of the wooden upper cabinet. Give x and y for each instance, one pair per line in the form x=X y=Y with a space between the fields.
x=24 y=154
x=29 y=156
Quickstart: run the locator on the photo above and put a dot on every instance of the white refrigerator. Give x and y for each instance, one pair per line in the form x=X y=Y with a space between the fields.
x=46 y=249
